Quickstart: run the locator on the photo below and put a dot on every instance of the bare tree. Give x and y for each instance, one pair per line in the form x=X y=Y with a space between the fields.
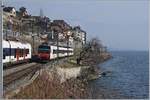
x=90 y=54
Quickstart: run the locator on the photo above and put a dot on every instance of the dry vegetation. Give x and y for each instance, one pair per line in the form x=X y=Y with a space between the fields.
x=92 y=54
x=48 y=86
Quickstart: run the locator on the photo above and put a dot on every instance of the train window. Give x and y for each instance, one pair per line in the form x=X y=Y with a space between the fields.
x=54 y=51
x=12 y=52
x=24 y=52
x=4 y=54
x=3 y=51
x=27 y=51
x=61 y=51
x=43 y=50
x=15 y=53
x=4 y=57
x=45 y=47
x=20 y=54
x=7 y=51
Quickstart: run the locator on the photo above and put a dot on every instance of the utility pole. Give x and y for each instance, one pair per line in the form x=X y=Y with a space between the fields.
x=1 y=50
x=68 y=35
x=67 y=45
x=32 y=36
x=20 y=27
x=33 y=43
x=57 y=45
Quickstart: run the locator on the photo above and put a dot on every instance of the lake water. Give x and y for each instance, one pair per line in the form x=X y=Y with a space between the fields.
x=128 y=76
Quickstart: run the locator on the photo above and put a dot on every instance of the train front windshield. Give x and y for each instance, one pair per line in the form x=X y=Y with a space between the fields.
x=44 y=49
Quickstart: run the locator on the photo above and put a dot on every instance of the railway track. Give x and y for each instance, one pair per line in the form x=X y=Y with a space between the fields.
x=16 y=77
x=16 y=73
x=12 y=74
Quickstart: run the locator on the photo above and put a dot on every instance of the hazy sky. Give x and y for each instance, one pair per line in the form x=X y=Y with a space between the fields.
x=120 y=24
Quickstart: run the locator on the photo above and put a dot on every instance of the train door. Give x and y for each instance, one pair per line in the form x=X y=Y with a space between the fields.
x=49 y=52
x=24 y=53
x=17 y=54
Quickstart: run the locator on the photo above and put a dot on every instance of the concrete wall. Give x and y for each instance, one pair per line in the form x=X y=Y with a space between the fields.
x=67 y=73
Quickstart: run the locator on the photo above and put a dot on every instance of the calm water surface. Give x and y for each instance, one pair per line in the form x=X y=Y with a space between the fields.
x=128 y=76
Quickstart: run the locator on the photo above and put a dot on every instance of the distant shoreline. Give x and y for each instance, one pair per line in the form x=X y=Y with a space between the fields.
x=128 y=51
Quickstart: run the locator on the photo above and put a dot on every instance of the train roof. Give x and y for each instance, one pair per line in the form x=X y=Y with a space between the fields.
x=15 y=44
x=16 y=41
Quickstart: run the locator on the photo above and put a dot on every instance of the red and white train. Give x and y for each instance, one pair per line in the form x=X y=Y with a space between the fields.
x=48 y=52
x=16 y=52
